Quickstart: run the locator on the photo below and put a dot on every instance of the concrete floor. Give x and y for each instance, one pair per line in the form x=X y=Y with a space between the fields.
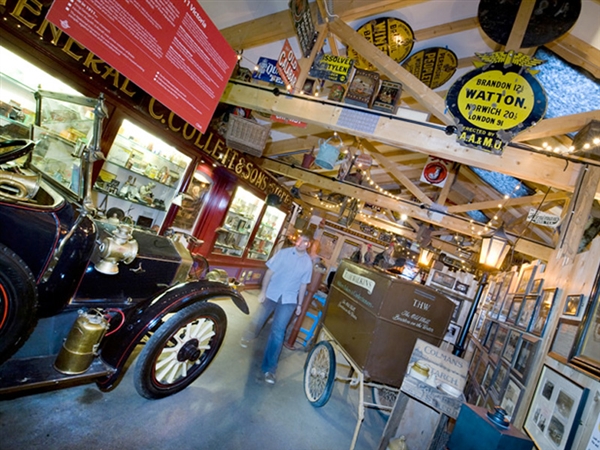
x=228 y=407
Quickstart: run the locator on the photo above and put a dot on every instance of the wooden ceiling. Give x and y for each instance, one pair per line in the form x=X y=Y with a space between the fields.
x=400 y=148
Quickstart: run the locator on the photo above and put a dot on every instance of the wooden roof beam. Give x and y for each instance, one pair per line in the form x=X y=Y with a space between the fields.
x=520 y=201
x=557 y=126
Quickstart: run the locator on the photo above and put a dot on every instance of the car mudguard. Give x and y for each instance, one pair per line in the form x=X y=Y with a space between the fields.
x=116 y=348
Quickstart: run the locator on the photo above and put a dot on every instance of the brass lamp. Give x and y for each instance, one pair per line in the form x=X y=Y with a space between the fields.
x=425 y=257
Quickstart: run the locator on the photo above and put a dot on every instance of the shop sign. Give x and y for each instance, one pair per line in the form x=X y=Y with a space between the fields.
x=436 y=171
x=173 y=52
x=494 y=102
x=287 y=65
x=392 y=36
x=332 y=68
x=303 y=24
x=433 y=66
x=267 y=71
x=285 y=120
x=542 y=218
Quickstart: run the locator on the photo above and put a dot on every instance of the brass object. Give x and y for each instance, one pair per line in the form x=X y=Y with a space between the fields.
x=79 y=349
x=120 y=246
x=17 y=187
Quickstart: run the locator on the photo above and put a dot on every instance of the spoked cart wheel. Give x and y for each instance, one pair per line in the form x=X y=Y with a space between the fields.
x=319 y=374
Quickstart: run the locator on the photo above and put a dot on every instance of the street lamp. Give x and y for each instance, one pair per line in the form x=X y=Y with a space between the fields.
x=494 y=248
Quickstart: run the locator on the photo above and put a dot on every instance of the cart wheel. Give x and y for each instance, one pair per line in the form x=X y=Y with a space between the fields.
x=319 y=374
x=384 y=397
x=180 y=350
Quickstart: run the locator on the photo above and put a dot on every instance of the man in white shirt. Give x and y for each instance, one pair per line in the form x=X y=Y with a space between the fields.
x=282 y=293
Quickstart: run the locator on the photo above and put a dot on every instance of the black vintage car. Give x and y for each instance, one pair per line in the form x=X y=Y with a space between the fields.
x=79 y=292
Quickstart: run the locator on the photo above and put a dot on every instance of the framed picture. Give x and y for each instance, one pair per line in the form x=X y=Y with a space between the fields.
x=524 y=356
x=527 y=310
x=488 y=376
x=456 y=312
x=452 y=333
x=480 y=371
x=587 y=346
x=491 y=334
x=564 y=339
x=555 y=410
x=443 y=279
x=499 y=341
x=328 y=242
x=495 y=311
x=536 y=286
x=512 y=397
x=525 y=280
x=508 y=300
x=348 y=248
x=511 y=345
x=461 y=287
x=573 y=305
x=500 y=378
x=542 y=311
x=515 y=307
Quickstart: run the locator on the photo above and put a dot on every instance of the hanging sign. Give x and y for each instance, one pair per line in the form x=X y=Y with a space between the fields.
x=331 y=67
x=433 y=66
x=497 y=100
x=174 y=52
x=285 y=120
x=267 y=71
x=542 y=218
x=303 y=24
x=436 y=171
x=287 y=65
x=392 y=36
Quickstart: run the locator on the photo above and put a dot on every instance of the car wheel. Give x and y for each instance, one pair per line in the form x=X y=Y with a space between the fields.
x=180 y=350
x=18 y=302
x=319 y=374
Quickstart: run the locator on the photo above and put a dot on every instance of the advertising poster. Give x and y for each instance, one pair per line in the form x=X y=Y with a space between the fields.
x=171 y=49
x=267 y=71
x=433 y=66
x=287 y=65
x=436 y=171
x=303 y=24
x=331 y=67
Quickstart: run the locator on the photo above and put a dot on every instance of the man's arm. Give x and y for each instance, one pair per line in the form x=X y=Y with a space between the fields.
x=301 y=295
x=262 y=295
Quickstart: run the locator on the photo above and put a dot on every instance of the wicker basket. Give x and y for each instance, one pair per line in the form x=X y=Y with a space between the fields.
x=246 y=135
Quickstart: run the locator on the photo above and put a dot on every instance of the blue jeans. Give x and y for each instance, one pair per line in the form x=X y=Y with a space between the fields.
x=282 y=315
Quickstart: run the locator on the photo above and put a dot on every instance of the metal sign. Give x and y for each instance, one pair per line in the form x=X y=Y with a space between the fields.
x=494 y=102
x=436 y=171
x=331 y=67
x=392 y=36
x=267 y=71
x=303 y=24
x=287 y=65
x=542 y=218
x=433 y=66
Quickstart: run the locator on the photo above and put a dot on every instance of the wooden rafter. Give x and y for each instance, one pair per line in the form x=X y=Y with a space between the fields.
x=511 y=202
x=558 y=126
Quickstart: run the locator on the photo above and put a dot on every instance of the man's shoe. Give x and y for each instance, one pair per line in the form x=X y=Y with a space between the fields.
x=270 y=378
x=244 y=343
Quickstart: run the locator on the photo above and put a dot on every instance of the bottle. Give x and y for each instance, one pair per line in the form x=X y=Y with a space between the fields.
x=397 y=444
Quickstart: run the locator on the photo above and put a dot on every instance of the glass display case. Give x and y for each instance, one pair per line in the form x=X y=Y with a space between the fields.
x=191 y=202
x=140 y=177
x=267 y=233
x=233 y=235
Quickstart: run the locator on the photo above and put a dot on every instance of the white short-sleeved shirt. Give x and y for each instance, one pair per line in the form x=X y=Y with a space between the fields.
x=290 y=269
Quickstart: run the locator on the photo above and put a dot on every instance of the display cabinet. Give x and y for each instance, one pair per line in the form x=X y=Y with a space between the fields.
x=17 y=106
x=233 y=235
x=267 y=233
x=140 y=177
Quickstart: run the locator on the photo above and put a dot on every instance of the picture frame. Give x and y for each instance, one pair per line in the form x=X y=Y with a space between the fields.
x=515 y=308
x=480 y=371
x=536 y=286
x=573 y=305
x=526 y=312
x=501 y=378
x=328 y=243
x=461 y=287
x=510 y=348
x=564 y=339
x=542 y=311
x=443 y=279
x=524 y=356
x=486 y=382
x=499 y=341
x=525 y=281
x=348 y=248
x=555 y=410
x=452 y=333
x=512 y=397
x=587 y=342
x=503 y=315
x=489 y=338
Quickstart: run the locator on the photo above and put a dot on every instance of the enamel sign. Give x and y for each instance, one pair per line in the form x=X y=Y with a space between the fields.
x=494 y=102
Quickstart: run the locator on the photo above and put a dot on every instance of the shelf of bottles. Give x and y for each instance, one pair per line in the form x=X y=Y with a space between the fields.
x=140 y=176
x=233 y=235
x=267 y=233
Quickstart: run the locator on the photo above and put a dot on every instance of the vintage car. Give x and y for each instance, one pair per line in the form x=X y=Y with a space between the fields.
x=79 y=292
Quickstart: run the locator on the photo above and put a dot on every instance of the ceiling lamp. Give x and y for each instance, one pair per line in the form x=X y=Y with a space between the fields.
x=494 y=248
x=425 y=257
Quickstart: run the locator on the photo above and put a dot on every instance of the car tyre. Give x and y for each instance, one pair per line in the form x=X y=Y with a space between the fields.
x=18 y=303
x=180 y=350
x=319 y=374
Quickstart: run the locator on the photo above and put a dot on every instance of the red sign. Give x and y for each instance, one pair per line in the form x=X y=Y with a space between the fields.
x=292 y=122
x=436 y=171
x=287 y=65
x=171 y=49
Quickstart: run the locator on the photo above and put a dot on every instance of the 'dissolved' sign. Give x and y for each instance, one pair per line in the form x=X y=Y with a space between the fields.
x=494 y=102
x=171 y=49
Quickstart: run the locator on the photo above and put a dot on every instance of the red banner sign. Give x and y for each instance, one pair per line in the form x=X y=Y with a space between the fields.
x=171 y=49
x=287 y=65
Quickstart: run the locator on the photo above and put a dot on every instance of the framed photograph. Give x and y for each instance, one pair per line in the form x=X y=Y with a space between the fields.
x=527 y=310
x=461 y=287
x=491 y=334
x=487 y=376
x=512 y=397
x=587 y=346
x=564 y=339
x=499 y=341
x=480 y=371
x=555 y=411
x=524 y=356
x=511 y=346
x=542 y=311
x=503 y=316
x=495 y=311
x=348 y=248
x=573 y=305
x=536 y=286
x=526 y=279
x=328 y=242
x=443 y=279
x=500 y=378
x=452 y=333
x=515 y=307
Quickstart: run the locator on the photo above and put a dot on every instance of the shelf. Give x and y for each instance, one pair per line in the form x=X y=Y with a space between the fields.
x=126 y=199
x=139 y=148
x=141 y=174
x=231 y=231
x=241 y=215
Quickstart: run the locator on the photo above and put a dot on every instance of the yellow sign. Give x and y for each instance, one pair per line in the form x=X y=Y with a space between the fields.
x=393 y=37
